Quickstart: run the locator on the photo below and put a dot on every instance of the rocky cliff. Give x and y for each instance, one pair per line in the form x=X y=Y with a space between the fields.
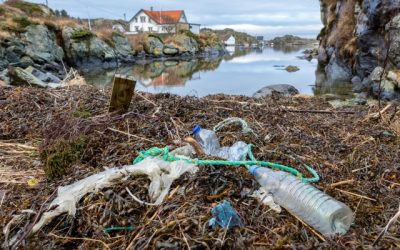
x=360 y=43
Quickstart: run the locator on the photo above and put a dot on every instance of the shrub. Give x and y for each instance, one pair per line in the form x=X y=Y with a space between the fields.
x=59 y=157
x=82 y=34
x=23 y=22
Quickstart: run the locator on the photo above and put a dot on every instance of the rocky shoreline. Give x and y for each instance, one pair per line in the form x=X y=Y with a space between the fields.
x=360 y=44
x=51 y=52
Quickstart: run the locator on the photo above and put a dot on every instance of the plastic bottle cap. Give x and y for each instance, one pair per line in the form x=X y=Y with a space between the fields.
x=196 y=129
x=253 y=169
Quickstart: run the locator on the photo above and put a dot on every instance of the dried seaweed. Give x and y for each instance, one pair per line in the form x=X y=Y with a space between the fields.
x=357 y=158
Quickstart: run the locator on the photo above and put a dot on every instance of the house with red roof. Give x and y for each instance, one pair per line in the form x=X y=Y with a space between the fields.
x=161 y=22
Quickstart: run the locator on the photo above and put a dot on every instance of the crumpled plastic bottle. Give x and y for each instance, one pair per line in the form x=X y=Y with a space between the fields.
x=209 y=142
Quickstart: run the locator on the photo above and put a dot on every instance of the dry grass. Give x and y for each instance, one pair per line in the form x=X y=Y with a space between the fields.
x=4 y=34
x=106 y=35
x=138 y=41
x=342 y=37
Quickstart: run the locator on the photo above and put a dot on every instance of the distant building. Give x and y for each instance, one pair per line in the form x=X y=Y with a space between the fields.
x=260 y=38
x=230 y=41
x=161 y=22
x=119 y=27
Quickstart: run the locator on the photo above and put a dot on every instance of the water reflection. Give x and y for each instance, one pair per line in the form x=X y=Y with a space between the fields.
x=242 y=71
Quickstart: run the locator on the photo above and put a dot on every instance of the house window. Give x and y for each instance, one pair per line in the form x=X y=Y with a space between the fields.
x=149 y=20
x=137 y=28
x=143 y=19
x=135 y=19
x=150 y=29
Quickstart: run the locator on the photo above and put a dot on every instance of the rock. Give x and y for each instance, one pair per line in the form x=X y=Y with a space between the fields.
x=2 y=83
x=185 y=44
x=394 y=76
x=292 y=68
x=170 y=50
x=394 y=29
x=154 y=46
x=278 y=89
x=85 y=50
x=25 y=62
x=358 y=85
x=44 y=77
x=19 y=76
x=322 y=56
x=123 y=47
x=338 y=72
x=376 y=74
x=41 y=44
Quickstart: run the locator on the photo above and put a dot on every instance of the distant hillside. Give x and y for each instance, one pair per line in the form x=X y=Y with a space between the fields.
x=241 y=37
x=292 y=40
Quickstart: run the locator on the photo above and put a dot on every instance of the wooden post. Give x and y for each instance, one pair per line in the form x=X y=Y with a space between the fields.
x=122 y=92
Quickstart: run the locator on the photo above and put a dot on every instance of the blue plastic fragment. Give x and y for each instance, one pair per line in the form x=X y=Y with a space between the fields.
x=225 y=216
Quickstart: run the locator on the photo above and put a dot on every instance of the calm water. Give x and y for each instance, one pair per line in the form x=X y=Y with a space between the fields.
x=242 y=72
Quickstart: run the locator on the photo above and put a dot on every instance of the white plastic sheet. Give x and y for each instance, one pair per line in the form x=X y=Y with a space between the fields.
x=161 y=173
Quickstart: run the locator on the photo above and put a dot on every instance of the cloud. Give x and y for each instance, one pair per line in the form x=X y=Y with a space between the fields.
x=264 y=17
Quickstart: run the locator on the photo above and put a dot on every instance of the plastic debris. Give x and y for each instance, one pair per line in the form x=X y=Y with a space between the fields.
x=225 y=216
x=327 y=215
x=209 y=142
x=267 y=199
x=33 y=182
x=161 y=174
x=245 y=126
x=116 y=229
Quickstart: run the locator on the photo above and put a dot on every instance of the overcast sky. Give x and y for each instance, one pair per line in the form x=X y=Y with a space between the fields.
x=257 y=17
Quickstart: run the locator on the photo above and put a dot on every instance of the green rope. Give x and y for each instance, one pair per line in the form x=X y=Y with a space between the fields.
x=112 y=229
x=167 y=156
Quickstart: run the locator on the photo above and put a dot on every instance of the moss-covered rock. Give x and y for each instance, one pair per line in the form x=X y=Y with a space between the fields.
x=59 y=157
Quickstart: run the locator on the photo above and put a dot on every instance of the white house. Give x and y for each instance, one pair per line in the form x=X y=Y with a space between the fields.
x=230 y=41
x=161 y=22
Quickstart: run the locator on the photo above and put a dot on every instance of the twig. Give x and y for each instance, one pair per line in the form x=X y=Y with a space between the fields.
x=310 y=228
x=380 y=113
x=318 y=111
x=391 y=221
x=76 y=238
x=2 y=199
x=129 y=135
x=30 y=227
x=354 y=194
x=138 y=200
x=342 y=183
x=144 y=98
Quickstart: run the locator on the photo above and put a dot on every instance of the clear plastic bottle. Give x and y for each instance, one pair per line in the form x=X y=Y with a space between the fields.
x=316 y=208
x=207 y=139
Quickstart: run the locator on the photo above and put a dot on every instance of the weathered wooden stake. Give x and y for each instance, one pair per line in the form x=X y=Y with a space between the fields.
x=122 y=92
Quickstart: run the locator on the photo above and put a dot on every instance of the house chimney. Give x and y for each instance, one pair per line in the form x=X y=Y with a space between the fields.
x=151 y=8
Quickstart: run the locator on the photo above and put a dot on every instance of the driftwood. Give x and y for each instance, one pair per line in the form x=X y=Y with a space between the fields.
x=123 y=90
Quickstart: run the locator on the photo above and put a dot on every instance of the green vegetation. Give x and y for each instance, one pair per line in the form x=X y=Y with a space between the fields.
x=82 y=34
x=62 y=155
x=191 y=35
x=155 y=36
x=31 y=9
x=117 y=33
x=19 y=24
x=2 y=11
x=22 y=21
x=82 y=113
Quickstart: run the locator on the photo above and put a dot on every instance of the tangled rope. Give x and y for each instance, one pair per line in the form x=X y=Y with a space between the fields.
x=164 y=153
x=245 y=127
